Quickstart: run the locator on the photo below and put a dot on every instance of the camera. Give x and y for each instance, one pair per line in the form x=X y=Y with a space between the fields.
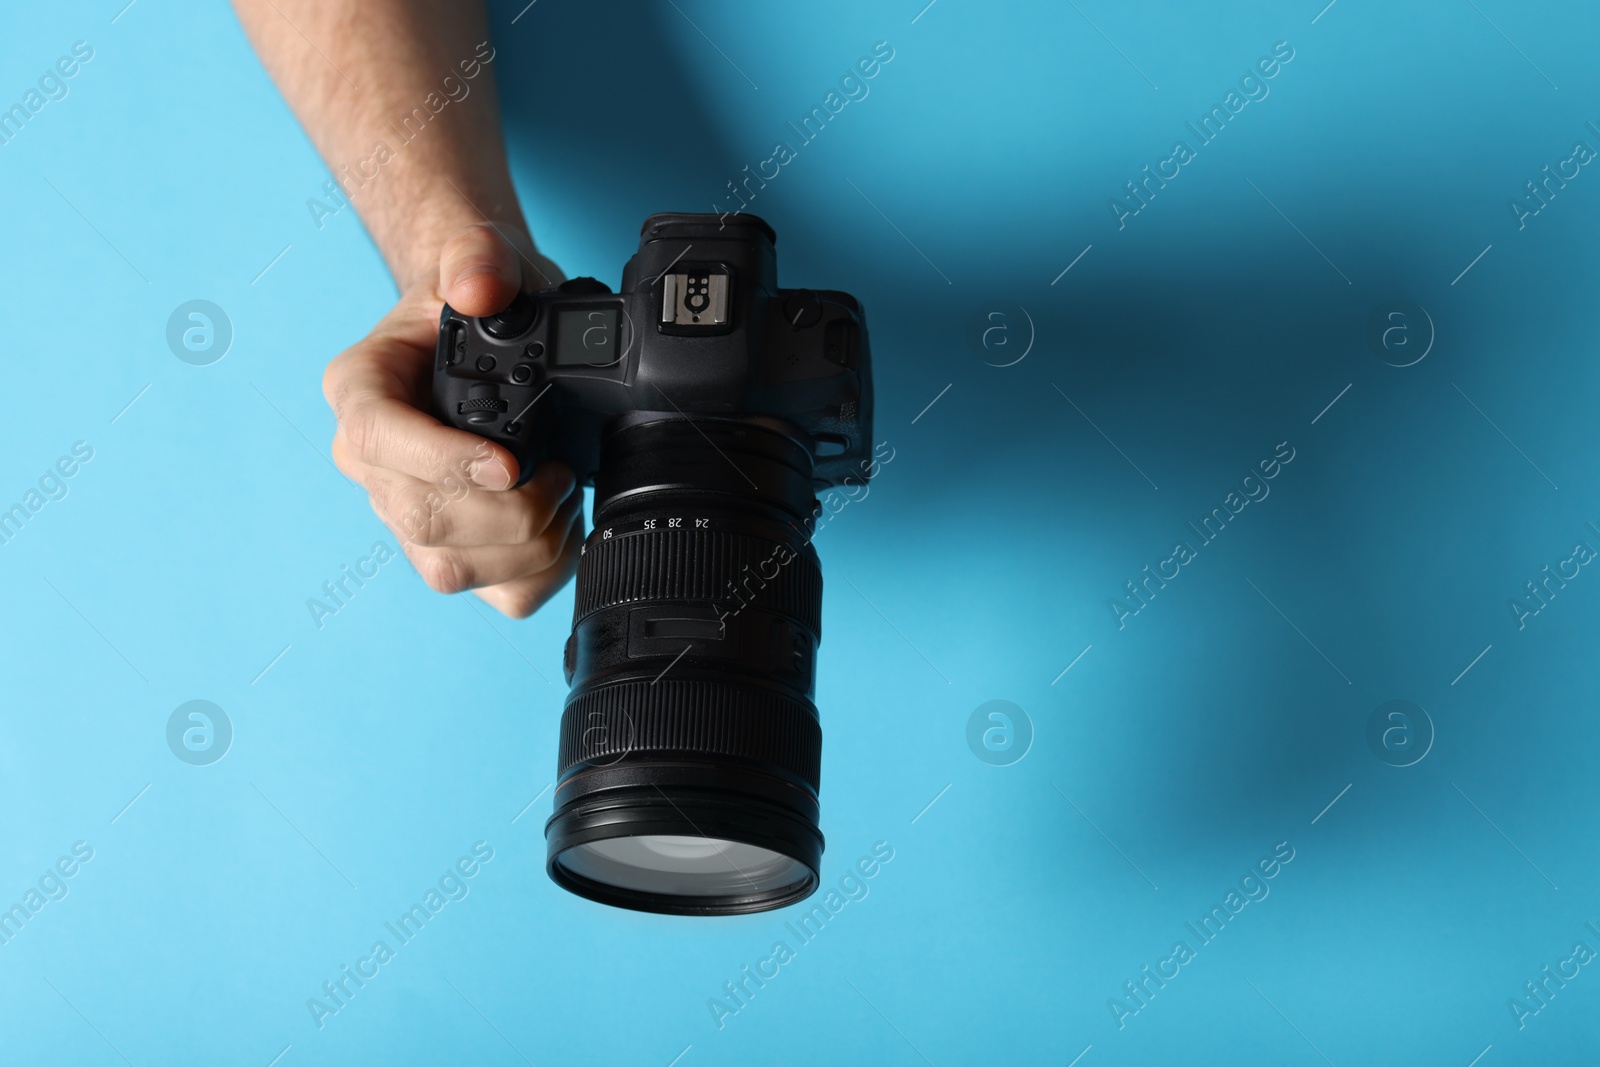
x=707 y=407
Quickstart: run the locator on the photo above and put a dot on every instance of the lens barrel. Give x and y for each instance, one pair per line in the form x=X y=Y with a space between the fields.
x=690 y=750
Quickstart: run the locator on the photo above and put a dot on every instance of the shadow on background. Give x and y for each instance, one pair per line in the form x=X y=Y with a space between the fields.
x=603 y=114
x=1229 y=317
x=1195 y=364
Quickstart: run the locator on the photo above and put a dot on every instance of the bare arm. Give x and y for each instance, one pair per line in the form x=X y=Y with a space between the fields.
x=356 y=73
x=398 y=96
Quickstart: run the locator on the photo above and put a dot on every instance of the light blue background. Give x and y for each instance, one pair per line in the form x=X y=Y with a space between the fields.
x=1175 y=753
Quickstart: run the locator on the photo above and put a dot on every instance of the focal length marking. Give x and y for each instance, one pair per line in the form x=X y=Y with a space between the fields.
x=675 y=522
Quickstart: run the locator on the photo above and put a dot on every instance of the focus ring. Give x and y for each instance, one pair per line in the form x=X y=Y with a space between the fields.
x=716 y=720
x=715 y=565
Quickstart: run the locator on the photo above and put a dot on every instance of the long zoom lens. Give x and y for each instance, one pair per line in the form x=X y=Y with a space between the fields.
x=690 y=749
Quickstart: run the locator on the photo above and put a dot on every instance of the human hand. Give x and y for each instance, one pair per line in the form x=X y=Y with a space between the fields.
x=447 y=494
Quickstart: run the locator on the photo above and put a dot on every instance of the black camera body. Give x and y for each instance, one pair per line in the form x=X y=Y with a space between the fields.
x=707 y=407
x=699 y=329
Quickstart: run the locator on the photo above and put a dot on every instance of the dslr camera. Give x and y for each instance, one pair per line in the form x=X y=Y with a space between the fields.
x=707 y=407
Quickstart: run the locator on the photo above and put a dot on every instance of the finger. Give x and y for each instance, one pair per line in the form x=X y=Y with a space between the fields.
x=480 y=271
x=521 y=597
x=452 y=515
x=452 y=570
x=369 y=388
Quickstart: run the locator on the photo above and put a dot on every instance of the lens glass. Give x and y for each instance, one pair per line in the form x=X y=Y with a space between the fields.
x=673 y=865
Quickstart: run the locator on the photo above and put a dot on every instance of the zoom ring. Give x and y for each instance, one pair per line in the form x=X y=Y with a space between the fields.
x=707 y=720
x=713 y=565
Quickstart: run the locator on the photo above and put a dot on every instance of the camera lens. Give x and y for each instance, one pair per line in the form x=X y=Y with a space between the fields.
x=690 y=749
x=687 y=867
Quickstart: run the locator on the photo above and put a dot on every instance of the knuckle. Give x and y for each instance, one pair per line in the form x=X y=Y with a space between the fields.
x=430 y=527
x=546 y=550
x=333 y=377
x=445 y=571
x=426 y=459
x=360 y=431
x=412 y=514
x=529 y=522
x=468 y=242
x=519 y=600
x=342 y=458
x=339 y=378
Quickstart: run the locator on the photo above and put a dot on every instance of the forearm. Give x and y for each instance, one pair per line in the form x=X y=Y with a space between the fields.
x=399 y=98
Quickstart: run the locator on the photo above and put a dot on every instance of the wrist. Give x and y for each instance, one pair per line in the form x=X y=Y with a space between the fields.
x=412 y=232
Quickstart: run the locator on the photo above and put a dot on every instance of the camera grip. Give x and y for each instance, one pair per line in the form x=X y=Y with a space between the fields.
x=474 y=390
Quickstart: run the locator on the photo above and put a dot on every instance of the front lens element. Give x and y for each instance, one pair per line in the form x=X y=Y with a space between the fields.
x=681 y=866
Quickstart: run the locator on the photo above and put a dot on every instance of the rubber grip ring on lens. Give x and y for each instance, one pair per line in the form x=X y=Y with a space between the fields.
x=716 y=565
x=703 y=719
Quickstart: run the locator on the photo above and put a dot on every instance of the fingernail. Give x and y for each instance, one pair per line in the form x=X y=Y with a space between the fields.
x=490 y=474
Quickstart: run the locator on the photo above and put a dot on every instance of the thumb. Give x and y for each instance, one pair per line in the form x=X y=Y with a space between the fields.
x=480 y=271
